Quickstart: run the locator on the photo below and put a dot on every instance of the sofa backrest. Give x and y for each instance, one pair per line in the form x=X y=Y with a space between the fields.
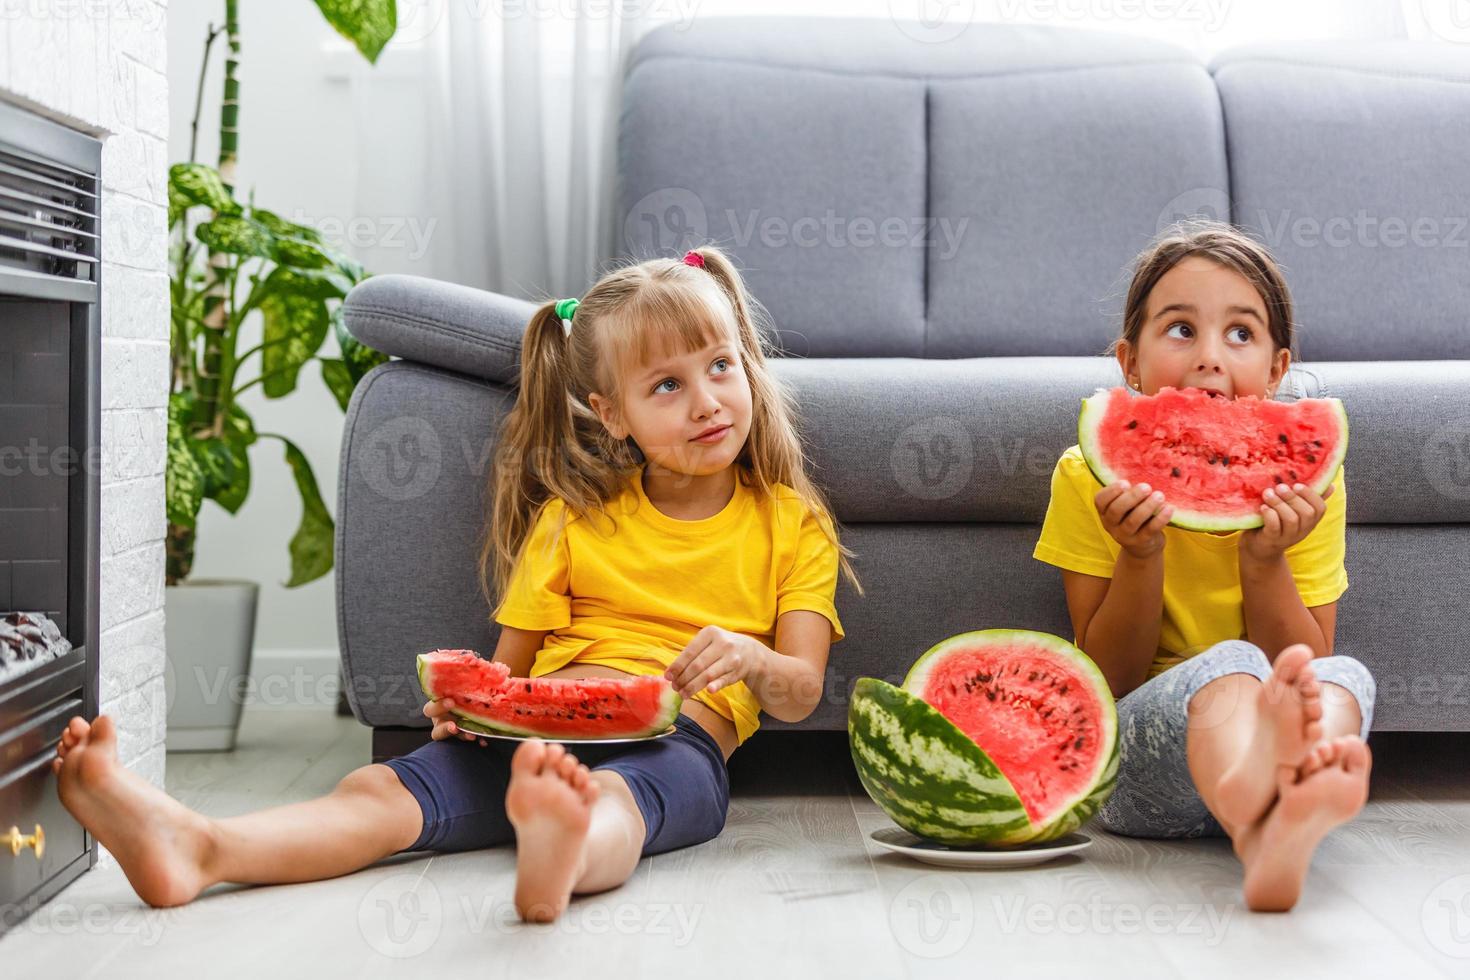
x=985 y=196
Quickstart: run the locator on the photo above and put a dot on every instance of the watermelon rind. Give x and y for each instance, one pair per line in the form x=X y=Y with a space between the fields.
x=1094 y=409
x=1070 y=814
x=669 y=704
x=927 y=775
x=668 y=710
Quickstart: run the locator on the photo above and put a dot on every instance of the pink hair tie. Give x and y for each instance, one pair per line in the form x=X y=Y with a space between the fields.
x=693 y=258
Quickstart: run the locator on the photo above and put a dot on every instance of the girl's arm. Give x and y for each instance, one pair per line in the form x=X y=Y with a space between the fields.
x=787 y=681
x=1275 y=616
x=1118 y=620
x=518 y=648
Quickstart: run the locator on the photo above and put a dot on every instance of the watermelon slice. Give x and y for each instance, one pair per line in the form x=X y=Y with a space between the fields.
x=489 y=701
x=997 y=738
x=1212 y=456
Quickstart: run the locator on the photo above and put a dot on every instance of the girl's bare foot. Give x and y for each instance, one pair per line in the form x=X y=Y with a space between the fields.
x=549 y=802
x=1328 y=790
x=161 y=844
x=1289 y=723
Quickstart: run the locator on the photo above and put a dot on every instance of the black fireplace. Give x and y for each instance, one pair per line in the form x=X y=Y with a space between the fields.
x=50 y=477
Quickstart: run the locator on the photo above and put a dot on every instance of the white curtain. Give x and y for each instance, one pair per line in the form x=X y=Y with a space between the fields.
x=521 y=98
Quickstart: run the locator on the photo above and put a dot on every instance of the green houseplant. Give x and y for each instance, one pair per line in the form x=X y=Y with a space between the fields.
x=231 y=260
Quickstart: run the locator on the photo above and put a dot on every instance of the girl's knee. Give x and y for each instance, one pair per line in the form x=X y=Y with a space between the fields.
x=376 y=781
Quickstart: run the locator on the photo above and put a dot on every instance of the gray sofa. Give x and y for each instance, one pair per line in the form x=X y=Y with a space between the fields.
x=940 y=233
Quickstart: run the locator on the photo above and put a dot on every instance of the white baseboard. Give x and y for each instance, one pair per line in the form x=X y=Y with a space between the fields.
x=293 y=678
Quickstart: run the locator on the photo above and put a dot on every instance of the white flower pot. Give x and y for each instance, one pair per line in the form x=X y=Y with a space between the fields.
x=209 y=629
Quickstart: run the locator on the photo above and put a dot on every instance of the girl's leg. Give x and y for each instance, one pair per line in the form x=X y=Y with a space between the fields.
x=1246 y=735
x=171 y=853
x=1159 y=728
x=1243 y=729
x=581 y=831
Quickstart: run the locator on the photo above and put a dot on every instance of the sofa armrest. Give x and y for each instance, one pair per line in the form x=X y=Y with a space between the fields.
x=439 y=323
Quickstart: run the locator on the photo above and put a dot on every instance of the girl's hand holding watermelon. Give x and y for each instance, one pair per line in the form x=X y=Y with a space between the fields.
x=1134 y=517
x=1290 y=514
x=715 y=658
x=437 y=711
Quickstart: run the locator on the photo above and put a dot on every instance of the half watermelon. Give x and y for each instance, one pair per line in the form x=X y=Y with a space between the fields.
x=489 y=701
x=997 y=738
x=1212 y=456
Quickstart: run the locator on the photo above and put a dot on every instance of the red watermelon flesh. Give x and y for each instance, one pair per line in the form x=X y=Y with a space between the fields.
x=1212 y=456
x=461 y=670
x=1037 y=707
x=488 y=701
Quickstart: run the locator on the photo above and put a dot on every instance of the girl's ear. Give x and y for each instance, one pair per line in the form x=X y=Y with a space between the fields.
x=1127 y=363
x=607 y=412
x=1280 y=361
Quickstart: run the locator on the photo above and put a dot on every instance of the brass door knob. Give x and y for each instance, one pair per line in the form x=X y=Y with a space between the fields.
x=17 y=841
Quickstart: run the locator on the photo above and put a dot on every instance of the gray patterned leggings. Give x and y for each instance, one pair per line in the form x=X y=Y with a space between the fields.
x=1156 y=795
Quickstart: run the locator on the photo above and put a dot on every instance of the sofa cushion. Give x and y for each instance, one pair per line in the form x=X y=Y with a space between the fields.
x=1343 y=160
x=889 y=197
x=899 y=439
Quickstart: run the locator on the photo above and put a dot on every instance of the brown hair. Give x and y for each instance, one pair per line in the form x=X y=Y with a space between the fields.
x=1218 y=242
x=554 y=445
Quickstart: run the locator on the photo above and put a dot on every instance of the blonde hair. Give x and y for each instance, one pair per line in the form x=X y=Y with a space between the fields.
x=554 y=445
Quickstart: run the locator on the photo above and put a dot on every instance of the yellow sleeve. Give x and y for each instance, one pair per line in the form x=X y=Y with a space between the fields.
x=1072 y=535
x=811 y=582
x=538 y=594
x=1317 y=560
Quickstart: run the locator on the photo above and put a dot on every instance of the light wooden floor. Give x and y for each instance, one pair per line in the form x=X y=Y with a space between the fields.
x=792 y=888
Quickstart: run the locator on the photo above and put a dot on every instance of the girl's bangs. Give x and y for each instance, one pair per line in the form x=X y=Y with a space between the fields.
x=667 y=322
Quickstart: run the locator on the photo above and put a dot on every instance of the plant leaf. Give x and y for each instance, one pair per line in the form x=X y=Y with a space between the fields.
x=339 y=379
x=216 y=463
x=282 y=228
x=300 y=253
x=369 y=24
x=183 y=481
x=311 y=546
x=240 y=425
x=359 y=357
x=236 y=235
x=232 y=495
x=191 y=184
x=295 y=325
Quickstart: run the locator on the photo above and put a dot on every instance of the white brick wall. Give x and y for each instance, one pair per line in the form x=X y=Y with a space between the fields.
x=99 y=66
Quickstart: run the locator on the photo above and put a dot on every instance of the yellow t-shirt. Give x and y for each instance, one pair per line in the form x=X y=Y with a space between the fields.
x=1203 y=602
x=631 y=587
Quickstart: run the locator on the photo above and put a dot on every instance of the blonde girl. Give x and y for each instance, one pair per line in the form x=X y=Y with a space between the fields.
x=651 y=514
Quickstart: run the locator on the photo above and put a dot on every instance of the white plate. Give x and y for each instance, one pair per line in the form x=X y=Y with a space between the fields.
x=500 y=737
x=930 y=852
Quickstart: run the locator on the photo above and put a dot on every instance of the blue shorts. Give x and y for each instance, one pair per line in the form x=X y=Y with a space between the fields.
x=679 y=782
x=1156 y=795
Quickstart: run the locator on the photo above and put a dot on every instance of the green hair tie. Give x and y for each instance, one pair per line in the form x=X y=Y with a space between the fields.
x=566 y=307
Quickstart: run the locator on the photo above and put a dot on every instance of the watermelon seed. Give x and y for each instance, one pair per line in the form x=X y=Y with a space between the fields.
x=1063 y=690
x=1317 y=443
x=1078 y=744
x=990 y=694
x=1293 y=475
x=1175 y=471
x=1133 y=423
x=1282 y=437
x=1311 y=458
